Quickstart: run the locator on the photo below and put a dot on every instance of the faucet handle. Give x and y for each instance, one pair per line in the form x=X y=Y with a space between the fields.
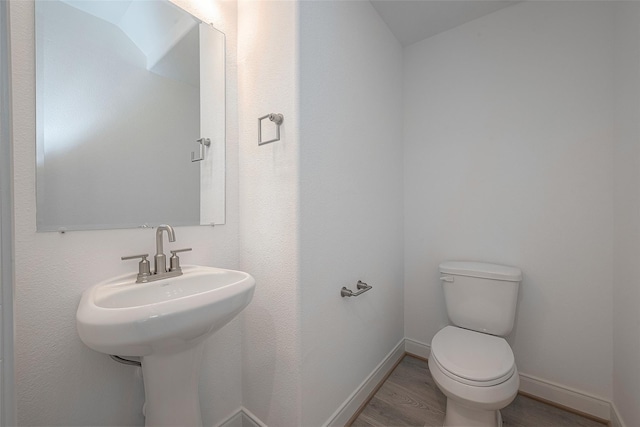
x=174 y=261
x=143 y=256
x=175 y=251
x=144 y=267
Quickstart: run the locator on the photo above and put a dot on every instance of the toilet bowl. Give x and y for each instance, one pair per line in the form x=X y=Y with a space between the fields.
x=476 y=372
x=470 y=361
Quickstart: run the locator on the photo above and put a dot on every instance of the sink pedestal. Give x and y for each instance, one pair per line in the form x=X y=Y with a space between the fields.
x=166 y=322
x=171 y=387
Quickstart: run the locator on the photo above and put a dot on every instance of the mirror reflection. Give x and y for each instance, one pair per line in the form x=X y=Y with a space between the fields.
x=125 y=89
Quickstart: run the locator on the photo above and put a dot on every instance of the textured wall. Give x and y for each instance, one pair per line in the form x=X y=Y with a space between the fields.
x=59 y=381
x=269 y=210
x=626 y=291
x=7 y=401
x=350 y=199
x=508 y=159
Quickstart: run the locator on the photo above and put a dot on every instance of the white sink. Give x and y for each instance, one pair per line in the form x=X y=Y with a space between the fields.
x=165 y=322
x=122 y=317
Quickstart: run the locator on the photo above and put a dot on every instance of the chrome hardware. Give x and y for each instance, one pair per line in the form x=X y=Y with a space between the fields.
x=203 y=142
x=363 y=287
x=276 y=118
x=144 y=267
x=160 y=259
x=174 y=261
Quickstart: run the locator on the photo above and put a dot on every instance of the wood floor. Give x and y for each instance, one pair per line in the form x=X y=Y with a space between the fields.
x=409 y=397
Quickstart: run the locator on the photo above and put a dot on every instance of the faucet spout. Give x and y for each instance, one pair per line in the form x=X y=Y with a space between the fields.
x=160 y=259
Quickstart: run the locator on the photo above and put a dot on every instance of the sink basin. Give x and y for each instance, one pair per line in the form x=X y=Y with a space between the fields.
x=122 y=317
x=165 y=322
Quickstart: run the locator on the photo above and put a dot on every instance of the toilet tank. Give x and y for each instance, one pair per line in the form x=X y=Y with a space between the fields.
x=481 y=296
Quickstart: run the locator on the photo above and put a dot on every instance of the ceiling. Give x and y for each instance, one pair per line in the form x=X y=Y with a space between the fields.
x=414 y=20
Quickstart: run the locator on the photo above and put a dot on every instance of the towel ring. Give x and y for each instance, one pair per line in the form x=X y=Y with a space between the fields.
x=276 y=118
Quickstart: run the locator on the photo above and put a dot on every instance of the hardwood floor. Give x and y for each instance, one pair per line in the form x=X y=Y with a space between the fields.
x=409 y=397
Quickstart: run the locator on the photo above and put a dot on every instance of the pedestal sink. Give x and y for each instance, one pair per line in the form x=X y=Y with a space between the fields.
x=165 y=322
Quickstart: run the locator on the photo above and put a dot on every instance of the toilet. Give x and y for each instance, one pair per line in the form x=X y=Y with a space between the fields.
x=470 y=361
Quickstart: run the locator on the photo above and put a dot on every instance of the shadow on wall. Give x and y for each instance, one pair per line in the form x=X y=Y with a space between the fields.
x=261 y=358
x=512 y=338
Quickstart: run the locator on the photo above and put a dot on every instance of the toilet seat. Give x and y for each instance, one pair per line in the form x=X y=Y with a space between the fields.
x=472 y=358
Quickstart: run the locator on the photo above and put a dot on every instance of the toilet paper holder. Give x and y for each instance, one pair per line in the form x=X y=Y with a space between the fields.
x=363 y=287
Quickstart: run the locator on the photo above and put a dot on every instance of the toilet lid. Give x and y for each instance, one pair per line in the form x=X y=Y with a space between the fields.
x=473 y=357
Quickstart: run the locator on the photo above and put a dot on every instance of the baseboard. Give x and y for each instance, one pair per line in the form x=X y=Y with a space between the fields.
x=234 y=420
x=416 y=348
x=242 y=417
x=543 y=389
x=566 y=396
x=360 y=396
x=616 y=419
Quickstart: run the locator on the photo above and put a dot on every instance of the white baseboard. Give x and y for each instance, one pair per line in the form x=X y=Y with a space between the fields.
x=544 y=389
x=616 y=419
x=242 y=418
x=417 y=348
x=234 y=420
x=342 y=415
x=566 y=396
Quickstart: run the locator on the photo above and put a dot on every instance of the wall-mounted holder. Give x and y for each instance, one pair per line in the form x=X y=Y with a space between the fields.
x=203 y=142
x=363 y=287
x=276 y=118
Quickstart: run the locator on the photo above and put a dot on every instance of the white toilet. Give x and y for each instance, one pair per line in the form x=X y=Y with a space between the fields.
x=470 y=362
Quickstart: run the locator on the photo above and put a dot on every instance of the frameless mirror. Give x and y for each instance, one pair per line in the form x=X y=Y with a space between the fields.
x=130 y=112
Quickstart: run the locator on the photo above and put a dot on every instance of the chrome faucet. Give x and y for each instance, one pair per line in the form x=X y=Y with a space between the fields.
x=160 y=259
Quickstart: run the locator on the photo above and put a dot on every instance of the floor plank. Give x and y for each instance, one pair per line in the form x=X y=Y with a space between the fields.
x=525 y=412
x=409 y=397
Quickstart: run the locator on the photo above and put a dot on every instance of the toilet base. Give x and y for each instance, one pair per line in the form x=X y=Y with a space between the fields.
x=458 y=415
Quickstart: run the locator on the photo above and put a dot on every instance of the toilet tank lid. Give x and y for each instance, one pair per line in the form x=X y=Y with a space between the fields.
x=481 y=269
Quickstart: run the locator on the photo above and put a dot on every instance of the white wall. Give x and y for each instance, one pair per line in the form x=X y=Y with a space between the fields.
x=626 y=292
x=7 y=400
x=350 y=199
x=269 y=210
x=508 y=159
x=59 y=381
